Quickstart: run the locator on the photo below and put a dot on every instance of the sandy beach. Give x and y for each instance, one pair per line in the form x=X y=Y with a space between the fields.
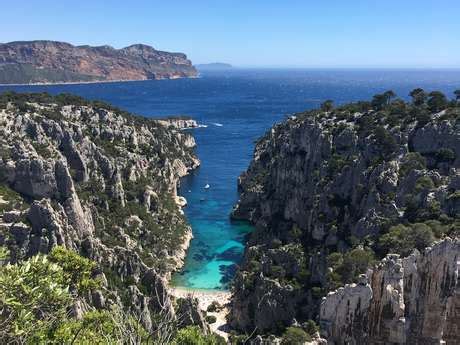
x=205 y=298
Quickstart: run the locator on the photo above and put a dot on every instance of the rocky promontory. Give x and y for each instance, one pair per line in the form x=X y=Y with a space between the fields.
x=331 y=192
x=29 y=62
x=101 y=182
x=179 y=122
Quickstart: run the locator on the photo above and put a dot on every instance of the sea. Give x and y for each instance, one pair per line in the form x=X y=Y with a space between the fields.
x=235 y=107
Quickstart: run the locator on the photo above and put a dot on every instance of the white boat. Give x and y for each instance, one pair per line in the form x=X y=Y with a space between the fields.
x=207 y=186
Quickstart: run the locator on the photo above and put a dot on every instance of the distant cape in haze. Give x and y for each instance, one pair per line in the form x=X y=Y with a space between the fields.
x=28 y=62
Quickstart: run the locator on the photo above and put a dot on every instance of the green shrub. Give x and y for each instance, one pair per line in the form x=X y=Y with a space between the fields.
x=445 y=155
x=412 y=161
x=192 y=335
x=238 y=339
x=94 y=326
x=386 y=143
x=296 y=232
x=437 y=101
x=295 y=336
x=214 y=307
x=439 y=229
x=278 y=271
x=317 y=292
x=422 y=183
x=211 y=319
x=311 y=327
x=402 y=239
x=76 y=270
x=36 y=294
x=454 y=196
x=336 y=164
x=254 y=266
x=422 y=117
x=12 y=199
x=354 y=263
x=418 y=96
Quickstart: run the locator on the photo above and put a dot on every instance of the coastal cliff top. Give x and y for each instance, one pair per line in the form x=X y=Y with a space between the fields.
x=42 y=61
x=333 y=190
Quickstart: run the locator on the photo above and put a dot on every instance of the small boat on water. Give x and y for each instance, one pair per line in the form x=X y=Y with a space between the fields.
x=207 y=186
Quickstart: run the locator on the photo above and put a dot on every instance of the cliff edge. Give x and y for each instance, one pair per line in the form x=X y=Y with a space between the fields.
x=334 y=190
x=59 y=62
x=101 y=182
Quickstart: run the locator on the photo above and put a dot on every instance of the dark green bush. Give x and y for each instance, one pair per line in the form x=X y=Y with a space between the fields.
x=311 y=327
x=412 y=161
x=192 y=335
x=295 y=336
x=423 y=183
x=445 y=155
x=211 y=319
x=385 y=141
x=348 y=266
x=402 y=239
x=437 y=101
x=214 y=307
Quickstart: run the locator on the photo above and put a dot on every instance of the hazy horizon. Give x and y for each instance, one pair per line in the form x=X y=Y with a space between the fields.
x=268 y=34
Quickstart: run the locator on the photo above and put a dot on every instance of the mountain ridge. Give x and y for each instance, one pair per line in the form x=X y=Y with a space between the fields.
x=45 y=61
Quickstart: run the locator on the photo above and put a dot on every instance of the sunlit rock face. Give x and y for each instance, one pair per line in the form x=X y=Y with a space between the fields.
x=57 y=62
x=413 y=300
x=101 y=182
x=324 y=184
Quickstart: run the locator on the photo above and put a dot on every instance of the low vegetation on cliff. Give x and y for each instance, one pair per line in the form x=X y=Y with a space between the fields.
x=333 y=190
x=38 y=300
x=91 y=224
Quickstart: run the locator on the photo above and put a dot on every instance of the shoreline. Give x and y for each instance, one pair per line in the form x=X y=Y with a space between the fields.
x=94 y=81
x=205 y=298
x=183 y=289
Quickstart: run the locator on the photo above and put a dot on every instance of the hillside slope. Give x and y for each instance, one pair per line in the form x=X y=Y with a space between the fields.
x=333 y=190
x=101 y=182
x=57 y=62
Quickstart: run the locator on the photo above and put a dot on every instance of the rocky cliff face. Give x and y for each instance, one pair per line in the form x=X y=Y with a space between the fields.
x=54 y=62
x=413 y=300
x=332 y=191
x=98 y=181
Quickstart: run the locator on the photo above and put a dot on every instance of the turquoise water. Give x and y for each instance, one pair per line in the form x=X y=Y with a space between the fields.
x=238 y=107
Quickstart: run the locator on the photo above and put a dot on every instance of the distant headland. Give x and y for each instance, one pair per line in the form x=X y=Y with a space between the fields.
x=34 y=62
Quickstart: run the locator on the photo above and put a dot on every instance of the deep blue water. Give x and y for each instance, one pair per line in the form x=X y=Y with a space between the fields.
x=238 y=106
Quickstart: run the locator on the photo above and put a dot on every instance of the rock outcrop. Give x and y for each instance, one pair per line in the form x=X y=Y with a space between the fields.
x=179 y=122
x=413 y=300
x=57 y=62
x=98 y=181
x=329 y=192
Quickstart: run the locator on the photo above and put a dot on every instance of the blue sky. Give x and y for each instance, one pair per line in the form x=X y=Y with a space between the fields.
x=321 y=33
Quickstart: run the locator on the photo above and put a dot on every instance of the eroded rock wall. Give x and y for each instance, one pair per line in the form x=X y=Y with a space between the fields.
x=327 y=183
x=100 y=182
x=412 y=300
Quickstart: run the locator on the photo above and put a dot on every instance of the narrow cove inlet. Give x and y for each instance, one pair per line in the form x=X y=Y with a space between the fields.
x=230 y=173
x=218 y=243
x=235 y=108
